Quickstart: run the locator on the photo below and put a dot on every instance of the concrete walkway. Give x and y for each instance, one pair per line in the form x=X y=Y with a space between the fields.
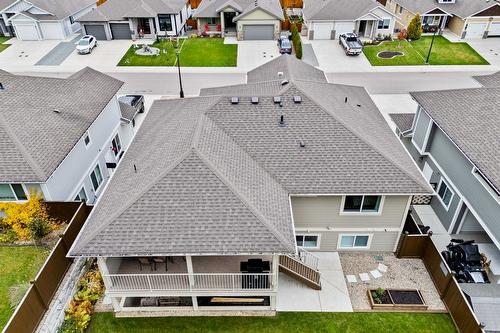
x=308 y=55
x=59 y=53
x=333 y=296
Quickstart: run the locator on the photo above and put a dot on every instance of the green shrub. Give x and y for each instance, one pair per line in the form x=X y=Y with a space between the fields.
x=297 y=43
x=8 y=236
x=38 y=228
x=414 y=30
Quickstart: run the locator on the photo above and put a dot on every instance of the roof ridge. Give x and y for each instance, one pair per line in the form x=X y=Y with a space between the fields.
x=354 y=132
x=242 y=198
x=37 y=169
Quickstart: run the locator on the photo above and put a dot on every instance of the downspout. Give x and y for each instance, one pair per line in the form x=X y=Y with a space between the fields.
x=175 y=23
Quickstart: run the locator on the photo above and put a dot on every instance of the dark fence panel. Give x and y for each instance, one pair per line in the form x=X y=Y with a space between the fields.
x=36 y=301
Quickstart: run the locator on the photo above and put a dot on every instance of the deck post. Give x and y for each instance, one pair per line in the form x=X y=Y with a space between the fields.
x=101 y=263
x=189 y=264
x=275 y=271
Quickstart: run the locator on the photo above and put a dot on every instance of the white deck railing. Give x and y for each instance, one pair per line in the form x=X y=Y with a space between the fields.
x=308 y=258
x=187 y=282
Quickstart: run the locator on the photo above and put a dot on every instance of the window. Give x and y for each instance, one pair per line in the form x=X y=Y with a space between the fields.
x=165 y=22
x=212 y=20
x=116 y=145
x=96 y=177
x=307 y=241
x=354 y=241
x=12 y=192
x=82 y=195
x=445 y=194
x=71 y=20
x=362 y=204
x=86 y=139
x=384 y=24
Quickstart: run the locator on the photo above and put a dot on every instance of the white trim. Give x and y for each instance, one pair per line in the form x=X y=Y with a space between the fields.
x=448 y=187
x=96 y=190
x=403 y=221
x=332 y=229
x=26 y=193
x=455 y=216
x=318 y=242
x=462 y=220
x=485 y=183
x=367 y=247
x=361 y=212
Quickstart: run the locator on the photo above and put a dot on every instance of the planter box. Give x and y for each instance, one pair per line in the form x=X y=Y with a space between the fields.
x=399 y=299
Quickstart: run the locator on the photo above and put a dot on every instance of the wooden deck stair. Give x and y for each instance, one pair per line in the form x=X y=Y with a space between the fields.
x=302 y=267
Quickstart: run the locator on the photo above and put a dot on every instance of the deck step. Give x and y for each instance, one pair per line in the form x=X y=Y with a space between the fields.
x=300 y=271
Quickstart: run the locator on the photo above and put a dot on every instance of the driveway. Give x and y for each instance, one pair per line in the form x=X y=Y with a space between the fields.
x=107 y=54
x=331 y=57
x=252 y=54
x=489 y=48
x=59 y=53
x=22 y=54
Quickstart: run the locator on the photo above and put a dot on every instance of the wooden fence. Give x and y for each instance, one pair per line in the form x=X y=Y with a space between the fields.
x=38 y=297
x=292 y=3
x=421 y=246
x=194 y=3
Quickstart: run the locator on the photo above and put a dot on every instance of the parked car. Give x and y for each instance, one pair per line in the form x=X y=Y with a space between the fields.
x=285 y=45
x=86 y=44
x=351 y=43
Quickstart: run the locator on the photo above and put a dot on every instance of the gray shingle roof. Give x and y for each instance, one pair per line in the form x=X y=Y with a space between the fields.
x=118 y=10
x=57 y=9
x=492 y=80
x=127 y=110
x=338 y=9
x=461 y=8
x=205 y=176
x=470 y=118
x=211 y=8
x=403 y=121
x=35 y=139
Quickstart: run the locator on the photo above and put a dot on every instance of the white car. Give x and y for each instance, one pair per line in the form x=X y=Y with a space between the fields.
x=86 y=44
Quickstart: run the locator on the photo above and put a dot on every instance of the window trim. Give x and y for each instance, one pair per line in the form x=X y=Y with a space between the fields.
x=87 y=134
x=26 y=193
x=102 y=177
x=355 y=248
x=161 y=16
x=318 y=242
x=377 y=213
x=383 y=25
x=441 y=181
x=78 y=194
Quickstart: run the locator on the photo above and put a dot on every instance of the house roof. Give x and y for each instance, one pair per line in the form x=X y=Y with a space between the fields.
x=127 y=110
x=206 y=176
x=211 y=8
x=117 y=10
x=34 y=138
x=492 y=80
x=461 y=8
x=403 y=121
x=56 y=9
x=470 y=118
x=338 y=9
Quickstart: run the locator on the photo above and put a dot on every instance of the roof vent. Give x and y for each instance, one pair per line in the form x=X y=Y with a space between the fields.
x=358 y=105
x=284 y=82
x=255 y=100
x=1 y=86
x=282 y=121
x=297 y=99
x=345 y=99
x=235 y=100
x=280 y=74
x=302 y=144
x=277 y=99
x=56 y=111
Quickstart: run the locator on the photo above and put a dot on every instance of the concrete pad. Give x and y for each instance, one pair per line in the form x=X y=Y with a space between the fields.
x=24 y=53
x=351 y=278
x=308 y=55
x=364 y=277
x=59 y=53
x=376 y=274
x=382 y=268
x=252 y=54
x=333 y=296
x=332 y=58
x=394 y=103
x=488 y=48
x=107 y=54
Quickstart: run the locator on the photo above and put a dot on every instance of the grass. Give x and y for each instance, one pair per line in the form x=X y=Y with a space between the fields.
x=415 y=52
x=2 y=41
x=195 y=52
x=285 y=322
x=19 y=265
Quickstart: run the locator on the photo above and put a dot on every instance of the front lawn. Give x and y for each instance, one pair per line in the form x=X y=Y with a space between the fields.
x=284 y=322
x=18 y=265
x=2 y=41
x=415 y=52
x=195 y=52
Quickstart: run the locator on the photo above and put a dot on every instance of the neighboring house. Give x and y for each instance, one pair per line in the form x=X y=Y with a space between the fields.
x=219 y=192
x=328 y=19
x=59 y=137
x=247 y=19
x=454 y=139
x=465 y=18
x=42 y=19
x=131 y=19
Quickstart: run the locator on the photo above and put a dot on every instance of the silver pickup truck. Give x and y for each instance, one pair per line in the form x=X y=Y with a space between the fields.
x=351 y=43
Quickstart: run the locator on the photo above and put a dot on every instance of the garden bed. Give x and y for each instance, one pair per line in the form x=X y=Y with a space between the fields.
x=396 y=299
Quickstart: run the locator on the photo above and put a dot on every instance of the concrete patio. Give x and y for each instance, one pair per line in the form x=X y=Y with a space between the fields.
x=333 y=296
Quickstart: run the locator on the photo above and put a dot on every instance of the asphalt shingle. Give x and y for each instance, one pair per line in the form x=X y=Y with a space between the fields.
x=403 y=121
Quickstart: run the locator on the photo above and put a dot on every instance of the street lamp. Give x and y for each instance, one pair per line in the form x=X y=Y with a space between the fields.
x=430 y=48
x=177 y=53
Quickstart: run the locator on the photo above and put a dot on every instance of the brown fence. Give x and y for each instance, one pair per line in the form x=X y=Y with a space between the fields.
x=292 y=3
x=194 y=3
x=38 y=297
x=421 y=246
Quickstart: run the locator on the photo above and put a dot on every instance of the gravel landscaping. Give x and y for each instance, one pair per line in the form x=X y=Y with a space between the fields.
x=401 y=274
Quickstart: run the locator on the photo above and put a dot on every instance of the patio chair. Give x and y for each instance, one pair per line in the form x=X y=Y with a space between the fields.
x=144 y=262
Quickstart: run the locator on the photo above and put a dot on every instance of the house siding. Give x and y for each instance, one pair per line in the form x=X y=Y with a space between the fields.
x=456 y=25
x=421 y=128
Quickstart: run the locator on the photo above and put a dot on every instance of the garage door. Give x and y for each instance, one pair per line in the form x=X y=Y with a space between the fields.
x=51 y=30
x=95 y=30
x=343 y=27
x=475 y=30
x=120 y=31
x=323 y=30
x=258 y=32
x=494 y=29
x=26 y=32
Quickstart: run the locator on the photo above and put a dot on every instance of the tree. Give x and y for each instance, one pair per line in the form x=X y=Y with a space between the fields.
x=415 y=28
x=402 y=35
